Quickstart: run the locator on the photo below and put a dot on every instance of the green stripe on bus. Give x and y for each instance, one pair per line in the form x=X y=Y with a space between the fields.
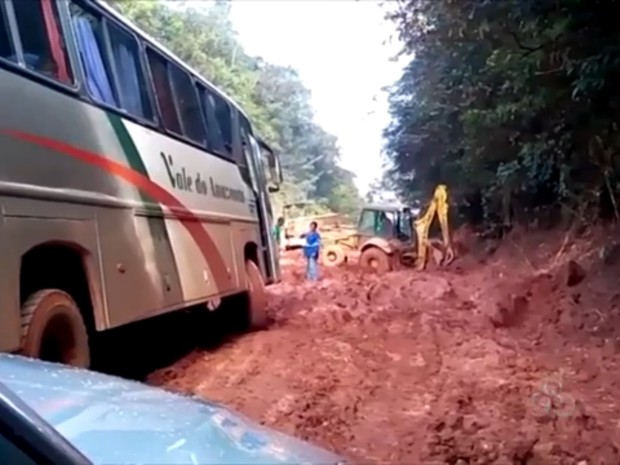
x=156 y=223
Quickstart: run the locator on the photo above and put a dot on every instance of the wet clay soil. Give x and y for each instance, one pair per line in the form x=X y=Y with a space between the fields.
x=497 y=361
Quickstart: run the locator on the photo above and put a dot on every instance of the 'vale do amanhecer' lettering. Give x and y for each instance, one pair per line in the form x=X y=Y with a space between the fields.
x=181 y=179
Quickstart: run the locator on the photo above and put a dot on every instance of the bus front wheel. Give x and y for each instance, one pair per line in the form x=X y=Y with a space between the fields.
x=53 y=329
x=256 y=297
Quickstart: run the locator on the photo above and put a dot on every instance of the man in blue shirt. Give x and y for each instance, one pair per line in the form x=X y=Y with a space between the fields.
x=311 y=252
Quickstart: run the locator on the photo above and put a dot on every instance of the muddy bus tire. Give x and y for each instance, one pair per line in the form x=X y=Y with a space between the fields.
x=256 y=297
x=53 y=329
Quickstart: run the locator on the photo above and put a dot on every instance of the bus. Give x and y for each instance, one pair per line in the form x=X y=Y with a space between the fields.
x=130 y=186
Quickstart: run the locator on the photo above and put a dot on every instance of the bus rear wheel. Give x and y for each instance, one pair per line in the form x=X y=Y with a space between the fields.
x=53 y=329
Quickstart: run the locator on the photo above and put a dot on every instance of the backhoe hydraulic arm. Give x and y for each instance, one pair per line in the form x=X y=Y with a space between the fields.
x=439 y=206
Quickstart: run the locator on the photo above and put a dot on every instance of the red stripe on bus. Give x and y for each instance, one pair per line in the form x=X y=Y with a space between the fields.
x=190 y=221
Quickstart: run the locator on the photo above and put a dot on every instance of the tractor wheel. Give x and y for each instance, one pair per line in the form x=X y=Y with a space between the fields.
x=333 y=256
x=53 y=329
x=374 y=259
x=257 y=297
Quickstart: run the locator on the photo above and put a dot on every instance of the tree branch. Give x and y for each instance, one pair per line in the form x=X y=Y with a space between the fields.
x=522 y=46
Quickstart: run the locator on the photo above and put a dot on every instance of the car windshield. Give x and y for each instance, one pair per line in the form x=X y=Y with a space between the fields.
x=111 y=420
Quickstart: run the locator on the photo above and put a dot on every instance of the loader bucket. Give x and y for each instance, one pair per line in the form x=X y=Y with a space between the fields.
x=442 y=255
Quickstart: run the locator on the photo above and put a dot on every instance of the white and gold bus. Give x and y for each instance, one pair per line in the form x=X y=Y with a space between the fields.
x=130 y=186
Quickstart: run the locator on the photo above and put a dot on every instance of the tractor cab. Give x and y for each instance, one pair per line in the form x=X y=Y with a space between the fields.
x=388 y=221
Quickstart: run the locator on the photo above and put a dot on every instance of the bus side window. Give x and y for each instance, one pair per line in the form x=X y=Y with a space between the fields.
x=215 y=139
x=88 y=29
x=244 y=161
x=42 y=40
x=244 y=129
x=130 y=83
x=188 y=105
x=6 y=44
x=163 y=91
x=223 y=115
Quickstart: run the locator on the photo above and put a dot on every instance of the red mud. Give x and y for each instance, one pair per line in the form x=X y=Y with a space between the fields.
x=496 y=361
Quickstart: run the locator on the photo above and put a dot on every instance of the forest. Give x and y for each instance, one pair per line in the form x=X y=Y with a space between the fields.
x=274 y=97
x=512 y=104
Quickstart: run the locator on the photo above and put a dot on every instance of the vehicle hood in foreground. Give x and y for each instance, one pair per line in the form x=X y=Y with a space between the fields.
x=115 y=421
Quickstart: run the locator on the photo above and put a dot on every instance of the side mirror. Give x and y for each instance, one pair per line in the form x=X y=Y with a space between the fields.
x=275 y=168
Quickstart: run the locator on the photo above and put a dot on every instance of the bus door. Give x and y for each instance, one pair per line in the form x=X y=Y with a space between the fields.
x=268 y=158
x=262 y=161
x=267 y=241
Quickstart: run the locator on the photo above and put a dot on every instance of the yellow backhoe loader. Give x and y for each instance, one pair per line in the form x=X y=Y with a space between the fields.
x=388 y=237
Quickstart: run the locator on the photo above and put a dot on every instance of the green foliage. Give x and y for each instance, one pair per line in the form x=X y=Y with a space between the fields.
x=513 y=104
x=273 y=96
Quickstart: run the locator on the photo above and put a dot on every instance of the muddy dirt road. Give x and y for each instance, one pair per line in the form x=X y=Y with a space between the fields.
x=488 y=363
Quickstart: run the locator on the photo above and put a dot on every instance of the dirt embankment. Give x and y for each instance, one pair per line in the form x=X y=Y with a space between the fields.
x=508 y=360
